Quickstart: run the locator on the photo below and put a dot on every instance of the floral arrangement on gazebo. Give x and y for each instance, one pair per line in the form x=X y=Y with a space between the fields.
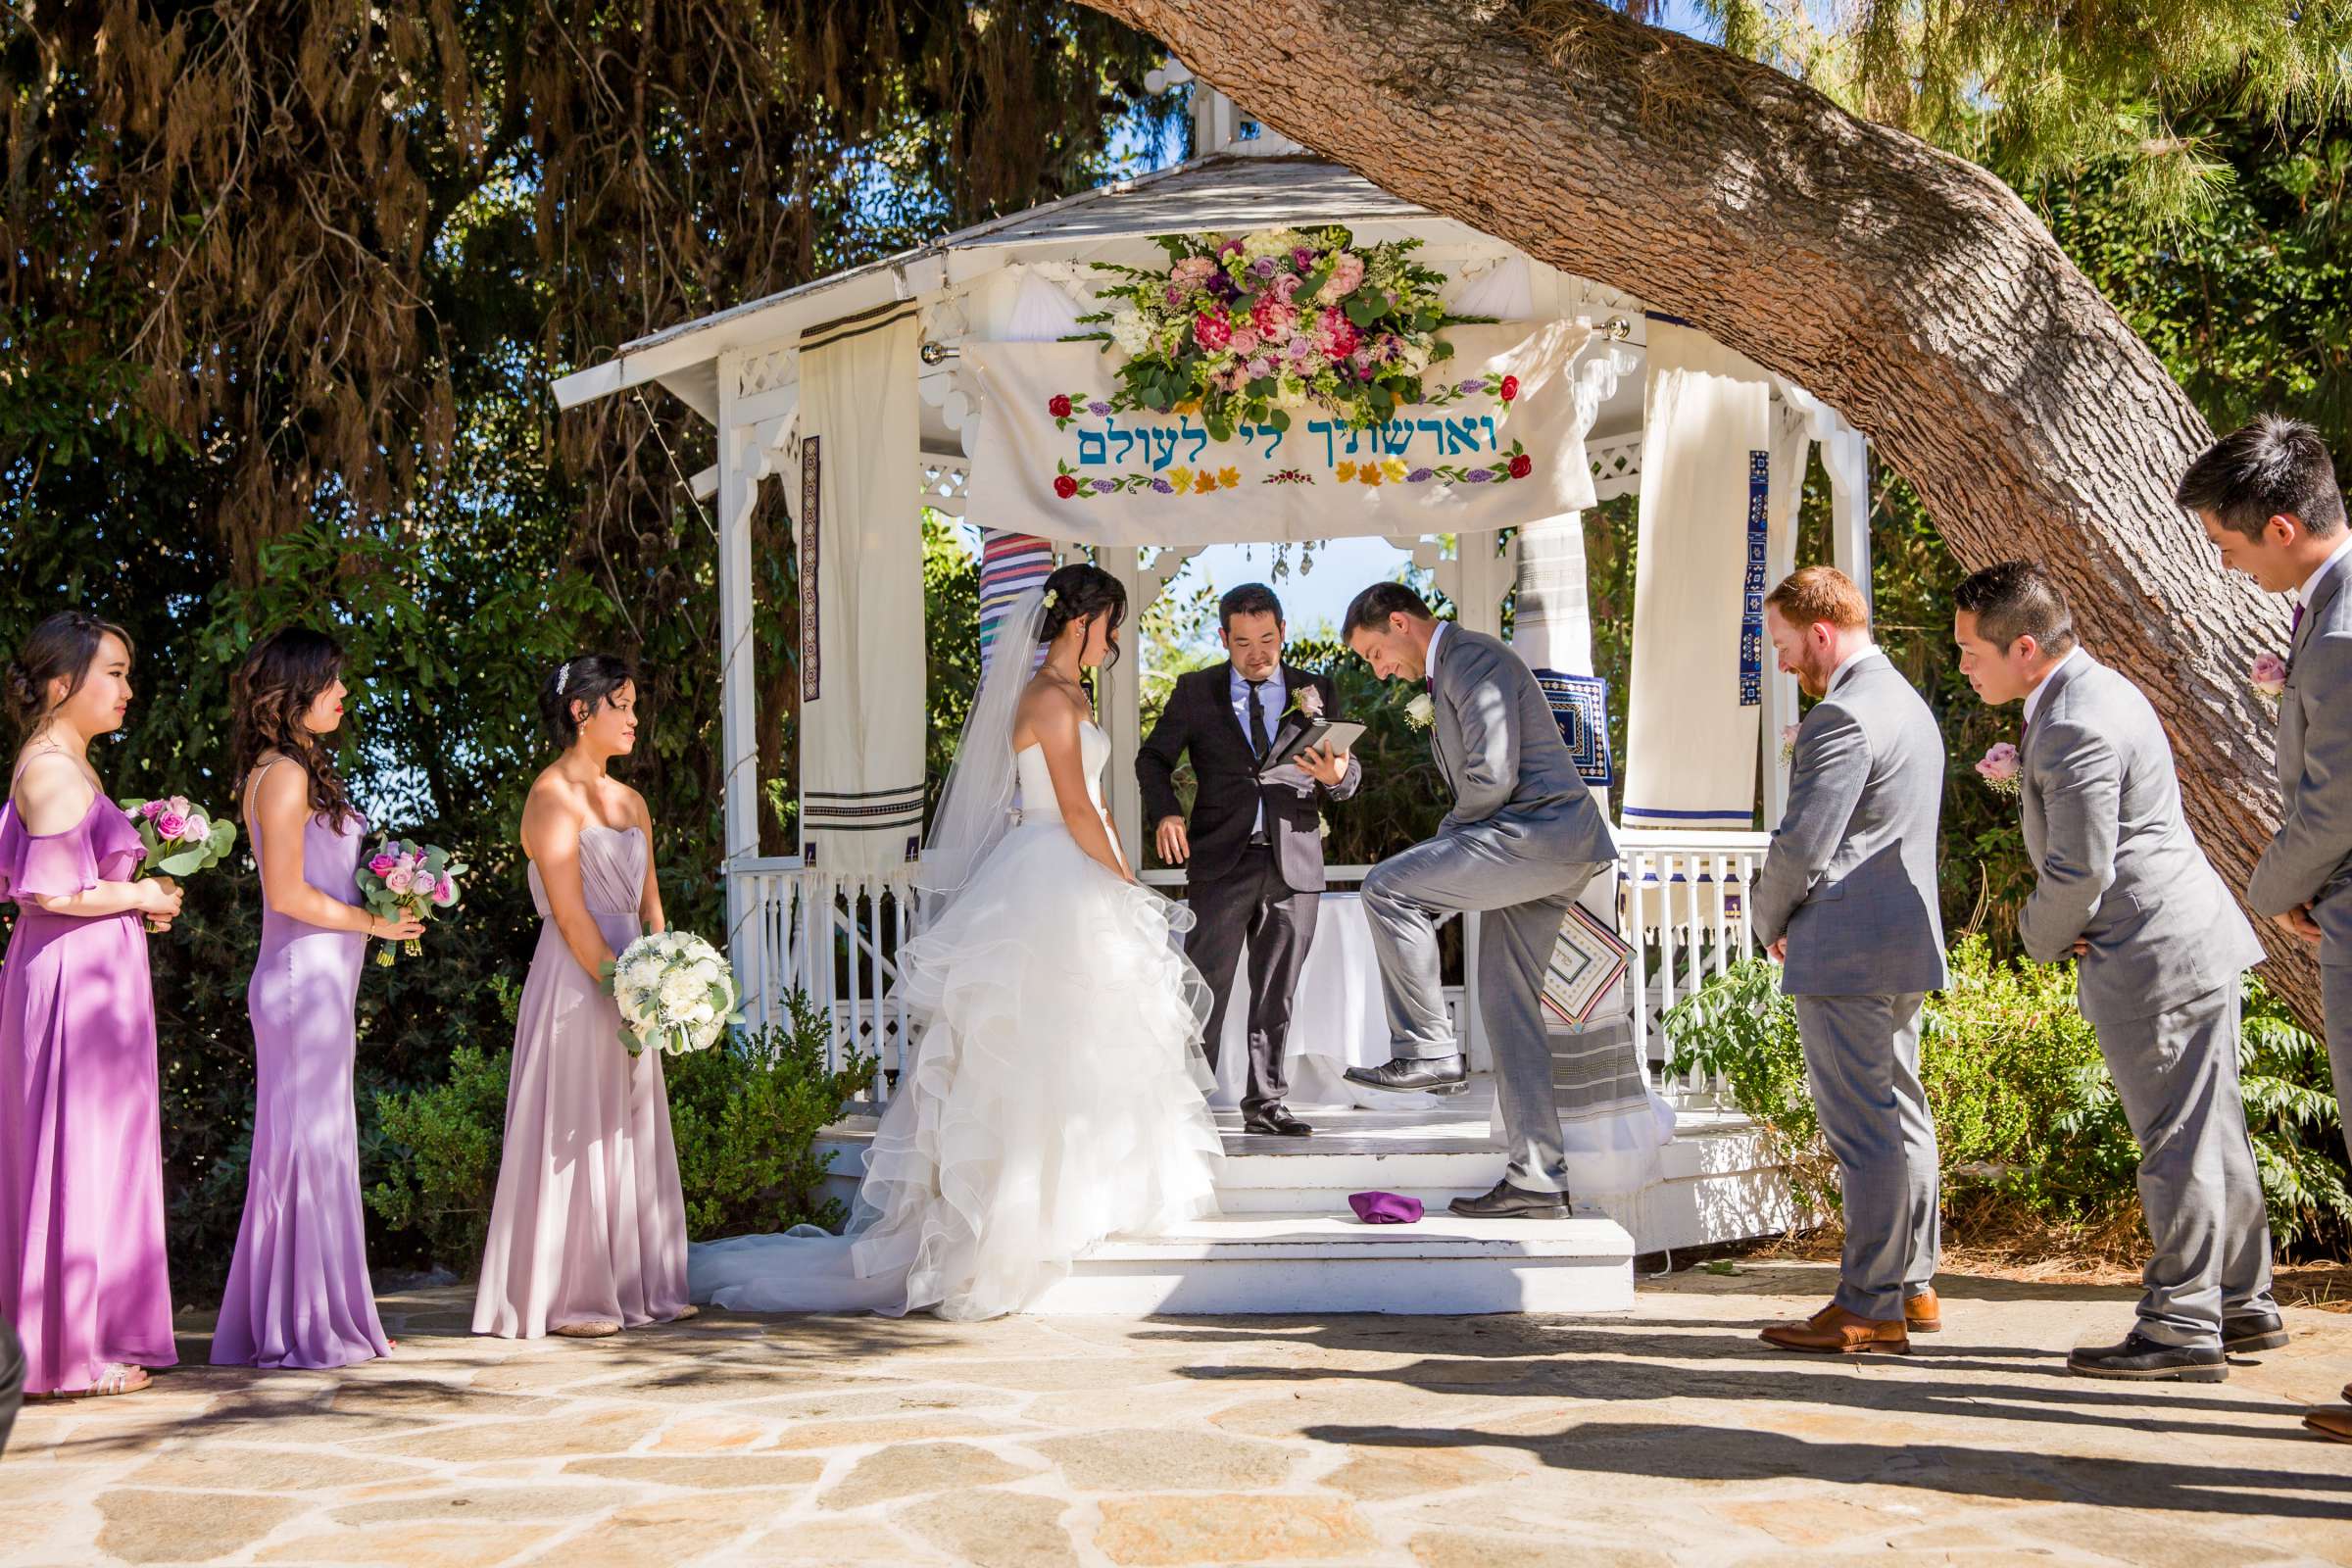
x=1248 y=329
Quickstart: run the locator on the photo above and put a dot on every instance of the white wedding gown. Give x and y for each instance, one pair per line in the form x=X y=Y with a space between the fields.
x=1056 y=1096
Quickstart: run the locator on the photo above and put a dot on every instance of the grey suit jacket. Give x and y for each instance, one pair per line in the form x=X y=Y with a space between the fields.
x=2113 y=862
x=1501 y=754
x=1850 y=878
x=2310 y=859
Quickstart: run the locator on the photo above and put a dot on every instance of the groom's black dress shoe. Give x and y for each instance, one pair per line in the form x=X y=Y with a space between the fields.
x=1275 y=1120
x=2247 y=1331
x=1507 y=1201
x=2139 y=1357
x=1436 y=1075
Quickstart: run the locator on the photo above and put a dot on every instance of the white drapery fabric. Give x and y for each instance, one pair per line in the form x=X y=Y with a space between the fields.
x=861 y=593
x=1700 y=655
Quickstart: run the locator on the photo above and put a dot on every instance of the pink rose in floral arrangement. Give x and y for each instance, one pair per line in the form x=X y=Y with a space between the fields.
x=1303 y=257
x=1260 y=367
x=2267 y=675
x=1193 y=272
x=422 y=883
x=400 y=879
x=383 y=863
x=1212 y=328
x=1346 y=276
x=1273 y=320
x=181 y=806
x=1286 y=288
x=169 y=824
x=1335 y=335
x=1243 y=342
x=192 y=831
x=446 y=893
x=1231 y=247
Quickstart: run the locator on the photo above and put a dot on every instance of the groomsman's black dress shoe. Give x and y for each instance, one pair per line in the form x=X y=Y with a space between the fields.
x=2139 y=1357
x=1507 y=1201
x=1436 y=1075
x=2249 y=1332
x=1275 y=1120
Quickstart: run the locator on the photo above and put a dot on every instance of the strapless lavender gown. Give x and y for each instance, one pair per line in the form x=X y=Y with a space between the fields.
x=298 y=1294
x=589 y=1224
x=81 y=1151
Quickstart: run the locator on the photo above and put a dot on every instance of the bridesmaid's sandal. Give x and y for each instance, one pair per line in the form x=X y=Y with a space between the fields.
x=592 y=1329
x=118 y=1377
x=685 y=1312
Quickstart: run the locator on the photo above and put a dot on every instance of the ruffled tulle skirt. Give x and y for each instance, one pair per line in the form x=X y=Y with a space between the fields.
x=1057 y=1097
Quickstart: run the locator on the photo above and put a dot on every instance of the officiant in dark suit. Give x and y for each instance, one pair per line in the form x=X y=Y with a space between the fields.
x=1253 y=849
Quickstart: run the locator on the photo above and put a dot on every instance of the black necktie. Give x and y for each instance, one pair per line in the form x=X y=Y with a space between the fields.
x=1259 y=740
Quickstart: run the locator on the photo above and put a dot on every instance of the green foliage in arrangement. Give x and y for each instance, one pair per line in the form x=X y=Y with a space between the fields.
x=743 y=1115
x=2026 y=1113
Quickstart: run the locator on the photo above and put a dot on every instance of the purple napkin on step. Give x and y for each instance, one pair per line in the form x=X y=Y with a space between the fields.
x=1385 y=1209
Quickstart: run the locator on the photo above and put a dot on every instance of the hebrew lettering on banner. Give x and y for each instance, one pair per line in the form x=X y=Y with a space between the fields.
x=1495 y=441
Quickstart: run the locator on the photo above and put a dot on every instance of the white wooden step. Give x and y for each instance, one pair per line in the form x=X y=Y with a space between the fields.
x=1317 y=1263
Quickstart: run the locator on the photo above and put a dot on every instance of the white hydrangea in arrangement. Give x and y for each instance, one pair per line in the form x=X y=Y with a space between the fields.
x=676 y=992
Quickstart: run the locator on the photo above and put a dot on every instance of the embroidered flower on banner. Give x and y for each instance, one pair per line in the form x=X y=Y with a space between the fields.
x=1257 y=327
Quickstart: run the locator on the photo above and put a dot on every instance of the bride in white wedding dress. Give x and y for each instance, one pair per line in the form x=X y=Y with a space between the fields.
x=1057 y=1094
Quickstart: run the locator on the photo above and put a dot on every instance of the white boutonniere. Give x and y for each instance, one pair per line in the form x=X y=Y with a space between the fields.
x=2268 y=677
x=1421 y=711
x=1322 y=827
x=1308 y=701
x=1787 y=744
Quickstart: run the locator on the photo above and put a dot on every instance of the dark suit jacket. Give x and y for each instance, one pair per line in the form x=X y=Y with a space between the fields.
x=1199 y=720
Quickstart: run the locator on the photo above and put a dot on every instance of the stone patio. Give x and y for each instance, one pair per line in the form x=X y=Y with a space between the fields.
x=1670 y=1436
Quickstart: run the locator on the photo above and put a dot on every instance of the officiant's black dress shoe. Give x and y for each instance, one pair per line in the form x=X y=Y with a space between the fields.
x=2139 y=1357
x=1276 y=1121
x=1436 y=1075
x=1507 y=1201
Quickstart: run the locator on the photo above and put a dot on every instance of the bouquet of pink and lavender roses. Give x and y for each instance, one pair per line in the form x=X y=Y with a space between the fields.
x=403 y=880
x=180 y=836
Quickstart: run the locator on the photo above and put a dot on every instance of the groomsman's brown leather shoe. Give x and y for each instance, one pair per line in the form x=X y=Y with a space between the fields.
x=2336 y=1424
x=1834 y=1330
x=1922 y=1313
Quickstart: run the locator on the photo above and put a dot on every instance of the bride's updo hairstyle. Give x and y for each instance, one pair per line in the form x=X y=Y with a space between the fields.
x=1077 y=591
x=271 y=692
x=590 y=678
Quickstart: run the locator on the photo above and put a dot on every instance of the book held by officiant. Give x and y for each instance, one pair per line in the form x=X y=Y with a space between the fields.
x=1341 y=734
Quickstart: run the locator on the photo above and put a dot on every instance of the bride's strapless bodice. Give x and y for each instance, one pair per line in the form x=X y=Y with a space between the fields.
x=1035 y=792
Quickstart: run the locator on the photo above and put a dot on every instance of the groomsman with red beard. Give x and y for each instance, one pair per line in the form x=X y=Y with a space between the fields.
x=2161 y=953
x=2267 y=498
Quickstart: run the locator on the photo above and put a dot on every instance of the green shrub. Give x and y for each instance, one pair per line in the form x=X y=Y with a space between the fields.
x=2026 y=1113
x=744 y=1117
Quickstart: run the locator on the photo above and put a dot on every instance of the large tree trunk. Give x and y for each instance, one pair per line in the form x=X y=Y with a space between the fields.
x=1909 y=288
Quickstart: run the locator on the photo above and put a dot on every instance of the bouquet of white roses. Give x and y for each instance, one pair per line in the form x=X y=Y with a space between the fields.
x=675 y=991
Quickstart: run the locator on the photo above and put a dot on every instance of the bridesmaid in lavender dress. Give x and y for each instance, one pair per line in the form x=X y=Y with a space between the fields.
x=588 y=1231
x=82 y=1165
x=298 y=1294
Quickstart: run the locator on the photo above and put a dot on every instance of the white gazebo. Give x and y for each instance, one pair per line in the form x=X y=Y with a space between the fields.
x=979 y=308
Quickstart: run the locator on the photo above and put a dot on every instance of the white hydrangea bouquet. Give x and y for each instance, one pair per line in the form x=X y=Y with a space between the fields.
x=674 y=991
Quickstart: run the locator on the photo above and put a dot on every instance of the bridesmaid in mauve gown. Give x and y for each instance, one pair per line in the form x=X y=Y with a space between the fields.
x=588 y=1231
x=298 y=1294
x=82 y=1167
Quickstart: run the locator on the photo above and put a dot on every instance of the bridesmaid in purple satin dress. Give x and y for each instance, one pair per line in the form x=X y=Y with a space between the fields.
x=588 y=1232
x=82 y=1162
x=298 y=1294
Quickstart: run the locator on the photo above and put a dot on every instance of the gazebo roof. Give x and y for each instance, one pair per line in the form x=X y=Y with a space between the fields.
x=1219 y=192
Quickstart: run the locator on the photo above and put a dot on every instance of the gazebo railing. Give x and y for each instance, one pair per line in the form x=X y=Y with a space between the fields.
x=835 y=937
x=1683 y=904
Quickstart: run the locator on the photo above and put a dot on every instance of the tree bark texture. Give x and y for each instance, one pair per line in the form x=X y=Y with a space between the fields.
x=1909 y=288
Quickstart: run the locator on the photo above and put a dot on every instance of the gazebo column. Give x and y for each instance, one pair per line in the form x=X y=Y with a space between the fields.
x=1121 y=704
x=741 y=463
x=1846 y=454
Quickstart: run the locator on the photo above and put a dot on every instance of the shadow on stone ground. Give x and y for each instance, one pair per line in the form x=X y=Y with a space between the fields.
x=1667 y=1436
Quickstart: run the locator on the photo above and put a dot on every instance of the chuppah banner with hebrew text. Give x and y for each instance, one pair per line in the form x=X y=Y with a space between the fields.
x=1496 y=442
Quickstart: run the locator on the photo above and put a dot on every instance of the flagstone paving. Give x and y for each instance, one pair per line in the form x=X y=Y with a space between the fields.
x=1667 y=1437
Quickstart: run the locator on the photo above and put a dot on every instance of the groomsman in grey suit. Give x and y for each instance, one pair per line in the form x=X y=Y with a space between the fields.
x=2122 y=887
x=1523 y=839
x=1847 y=900
x=2268 y=497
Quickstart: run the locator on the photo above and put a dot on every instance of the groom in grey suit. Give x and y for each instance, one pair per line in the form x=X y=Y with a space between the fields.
x=1847 y=900
x=2267 y=498
x=2121 y=886
x=1523 y=839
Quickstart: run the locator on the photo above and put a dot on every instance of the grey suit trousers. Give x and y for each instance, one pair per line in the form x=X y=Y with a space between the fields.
x=1495 y=868
x=2335 y=1005
x=1862 y=1061
x=2177 y=1075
